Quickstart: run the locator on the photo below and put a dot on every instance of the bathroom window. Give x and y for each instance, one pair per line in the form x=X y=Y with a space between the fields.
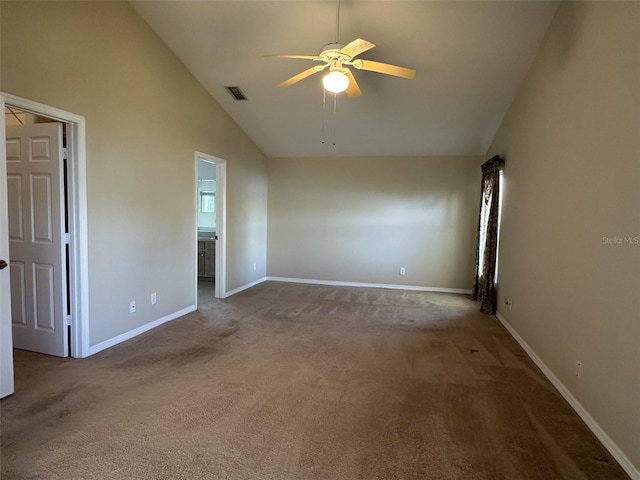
x=207 y=202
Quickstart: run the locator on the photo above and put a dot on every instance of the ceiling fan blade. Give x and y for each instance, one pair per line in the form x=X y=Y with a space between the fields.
x=353 y=90
x=385 y=68
x=303 y=57
x=301 y=76
x=356 y=47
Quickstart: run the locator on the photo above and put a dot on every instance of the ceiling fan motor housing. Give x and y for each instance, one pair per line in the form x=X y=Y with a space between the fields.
x=331 y=52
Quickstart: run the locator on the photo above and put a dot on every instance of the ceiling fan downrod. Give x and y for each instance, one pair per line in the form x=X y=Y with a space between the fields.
x=337 y=21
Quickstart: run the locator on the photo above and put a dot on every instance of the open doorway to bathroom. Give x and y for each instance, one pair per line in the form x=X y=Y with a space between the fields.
x=210 y=231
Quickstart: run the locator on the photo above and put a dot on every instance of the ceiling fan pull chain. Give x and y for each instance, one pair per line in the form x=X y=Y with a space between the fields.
x=335 y=119
x=324 y=101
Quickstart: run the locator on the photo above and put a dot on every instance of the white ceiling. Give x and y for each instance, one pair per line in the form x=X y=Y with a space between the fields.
x=470 y=58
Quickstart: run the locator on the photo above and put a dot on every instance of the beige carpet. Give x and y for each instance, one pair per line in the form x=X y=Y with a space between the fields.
x=288 y=381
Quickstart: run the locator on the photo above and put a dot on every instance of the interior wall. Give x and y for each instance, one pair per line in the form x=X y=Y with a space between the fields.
x=146 y=116
x=361 y=219
x=570 y=248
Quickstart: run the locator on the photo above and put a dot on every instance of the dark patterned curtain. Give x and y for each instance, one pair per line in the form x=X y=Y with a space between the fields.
x=484 y=288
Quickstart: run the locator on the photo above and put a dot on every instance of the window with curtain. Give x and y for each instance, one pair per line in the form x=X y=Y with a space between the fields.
x=484 y=288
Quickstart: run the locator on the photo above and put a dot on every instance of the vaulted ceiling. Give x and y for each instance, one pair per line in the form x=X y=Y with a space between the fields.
x=470 y=59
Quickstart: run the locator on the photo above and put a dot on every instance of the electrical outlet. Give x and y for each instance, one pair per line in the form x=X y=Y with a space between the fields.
x=508 y=302
x=255 y=267
x=132 y=306
x=154 y=298
x=578 y=368
x=403 y=271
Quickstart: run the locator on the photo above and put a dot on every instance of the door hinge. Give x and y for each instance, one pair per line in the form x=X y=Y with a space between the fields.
x=67 y=321
x=65 y=153
x=67 y=239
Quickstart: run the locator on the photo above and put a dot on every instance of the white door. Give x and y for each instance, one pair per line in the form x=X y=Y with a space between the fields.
x=6 y=346
x=36 y=244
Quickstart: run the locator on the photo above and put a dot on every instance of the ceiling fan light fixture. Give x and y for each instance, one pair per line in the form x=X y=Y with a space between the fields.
x=335 y=82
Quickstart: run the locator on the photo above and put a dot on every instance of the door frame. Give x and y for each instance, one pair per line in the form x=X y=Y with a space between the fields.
x=221 y=224
x=77 y=204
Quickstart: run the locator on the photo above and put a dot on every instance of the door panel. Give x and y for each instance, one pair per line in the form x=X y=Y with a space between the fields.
x=13 y=149
x=18 y=294
x=41 y=208
x=44 y=313
x=37 y=250
x=14 y=194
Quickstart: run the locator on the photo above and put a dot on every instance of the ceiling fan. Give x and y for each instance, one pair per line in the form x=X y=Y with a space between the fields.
x=337 y=58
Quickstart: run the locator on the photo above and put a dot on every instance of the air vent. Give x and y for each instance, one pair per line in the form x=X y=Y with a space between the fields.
x=236 y=93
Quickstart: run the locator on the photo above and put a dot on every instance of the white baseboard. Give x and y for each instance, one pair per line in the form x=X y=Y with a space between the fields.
x=244 y=287
x=141 y=329
x=369 y=285
x=597 y=430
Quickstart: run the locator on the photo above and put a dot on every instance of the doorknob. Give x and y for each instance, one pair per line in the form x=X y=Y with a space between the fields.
x=2 y=264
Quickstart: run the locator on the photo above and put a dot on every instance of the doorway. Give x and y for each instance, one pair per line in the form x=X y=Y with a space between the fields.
x=210 y=232
x=76 y=244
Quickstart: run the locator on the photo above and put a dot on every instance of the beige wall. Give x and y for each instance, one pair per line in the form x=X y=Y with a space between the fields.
x=361 y=219
x=146 y=115
x=571 y=142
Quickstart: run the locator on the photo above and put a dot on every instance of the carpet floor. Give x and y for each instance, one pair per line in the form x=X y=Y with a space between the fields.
x=296 y=382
